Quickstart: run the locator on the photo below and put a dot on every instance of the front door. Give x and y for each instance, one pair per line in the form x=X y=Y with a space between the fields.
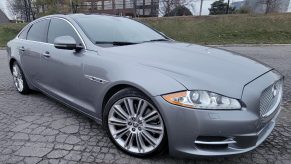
x=62 y=72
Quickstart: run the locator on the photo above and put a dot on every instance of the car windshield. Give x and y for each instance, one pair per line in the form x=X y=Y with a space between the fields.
x=116 y=30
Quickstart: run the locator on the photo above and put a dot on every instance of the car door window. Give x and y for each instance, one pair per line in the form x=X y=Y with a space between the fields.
x=59 y=27
x=37 y=31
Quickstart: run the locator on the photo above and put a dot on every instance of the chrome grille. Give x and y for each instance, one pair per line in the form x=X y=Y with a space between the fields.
x=270 y=99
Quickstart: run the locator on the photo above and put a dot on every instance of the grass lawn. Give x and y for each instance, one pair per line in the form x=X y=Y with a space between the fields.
x=8 y=32
x=223 y=29
x=226 y=29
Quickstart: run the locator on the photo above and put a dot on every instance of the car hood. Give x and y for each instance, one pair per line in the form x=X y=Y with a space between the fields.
x=196 y=67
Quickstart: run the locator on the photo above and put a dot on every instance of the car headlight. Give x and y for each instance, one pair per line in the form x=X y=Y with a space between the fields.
x=202 y=100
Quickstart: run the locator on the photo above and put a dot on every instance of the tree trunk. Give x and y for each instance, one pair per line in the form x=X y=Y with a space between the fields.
x=26 y=11
x=201 y=5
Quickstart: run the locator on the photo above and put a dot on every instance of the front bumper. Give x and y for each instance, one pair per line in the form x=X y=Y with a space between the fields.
x=219 y=132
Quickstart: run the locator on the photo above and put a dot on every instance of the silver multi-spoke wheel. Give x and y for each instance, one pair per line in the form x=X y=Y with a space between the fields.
x=135 y=125
x=17 y=77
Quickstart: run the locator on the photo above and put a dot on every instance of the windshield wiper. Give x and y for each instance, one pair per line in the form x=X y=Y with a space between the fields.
x=115 y=43
x=156 y=40
x=120 y=43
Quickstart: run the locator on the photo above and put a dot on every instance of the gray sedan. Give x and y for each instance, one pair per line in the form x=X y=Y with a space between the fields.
x=151 y=93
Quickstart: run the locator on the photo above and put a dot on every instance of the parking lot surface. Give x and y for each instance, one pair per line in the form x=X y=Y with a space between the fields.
x=37 y=129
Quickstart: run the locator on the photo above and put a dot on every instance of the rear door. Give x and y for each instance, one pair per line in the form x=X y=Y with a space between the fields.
x=31 y=49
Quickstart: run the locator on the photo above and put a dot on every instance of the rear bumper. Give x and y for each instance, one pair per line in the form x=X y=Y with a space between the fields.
x=193 y=132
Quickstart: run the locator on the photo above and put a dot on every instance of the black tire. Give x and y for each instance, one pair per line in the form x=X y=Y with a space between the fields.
x=25 y=89
x=132 y=92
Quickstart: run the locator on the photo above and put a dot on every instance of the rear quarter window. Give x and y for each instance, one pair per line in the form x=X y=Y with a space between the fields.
x=23 y=34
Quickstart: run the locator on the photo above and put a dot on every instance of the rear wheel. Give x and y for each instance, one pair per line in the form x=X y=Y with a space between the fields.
x=134 y=124
x=19 y=79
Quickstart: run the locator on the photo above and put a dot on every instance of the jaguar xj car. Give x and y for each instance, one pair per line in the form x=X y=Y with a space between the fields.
x=151 y=94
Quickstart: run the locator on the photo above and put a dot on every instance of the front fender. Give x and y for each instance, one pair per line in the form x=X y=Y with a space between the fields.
x=119 y=72
x=150 y=82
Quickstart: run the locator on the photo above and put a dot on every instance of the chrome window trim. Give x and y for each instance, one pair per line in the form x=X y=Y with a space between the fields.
x=30 y=24
x=36 y=41
x=85 y=50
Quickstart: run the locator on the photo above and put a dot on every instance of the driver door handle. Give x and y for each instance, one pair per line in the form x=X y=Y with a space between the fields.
x=46 y=54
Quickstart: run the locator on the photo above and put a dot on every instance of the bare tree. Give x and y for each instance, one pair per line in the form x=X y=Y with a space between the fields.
x=271 y=5
x=166 y=6
x=31 y=12
x=201 y=6
x=22 y=9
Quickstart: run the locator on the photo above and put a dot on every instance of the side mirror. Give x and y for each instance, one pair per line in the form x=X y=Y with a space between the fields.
x=66 y=43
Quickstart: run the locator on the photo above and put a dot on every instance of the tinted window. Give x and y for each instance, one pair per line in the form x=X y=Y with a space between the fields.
x=37 y=31
x=59 y=27
x=23 y=34
x=116 y=29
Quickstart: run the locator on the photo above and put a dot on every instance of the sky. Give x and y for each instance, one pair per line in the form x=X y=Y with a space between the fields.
x=206 y=5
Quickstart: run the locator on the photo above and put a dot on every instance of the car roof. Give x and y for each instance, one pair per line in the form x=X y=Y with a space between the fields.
x=68 y=16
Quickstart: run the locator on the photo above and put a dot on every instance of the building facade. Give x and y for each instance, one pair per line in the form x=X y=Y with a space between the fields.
x=260 y=6
x=3 y=17
x=133 y=8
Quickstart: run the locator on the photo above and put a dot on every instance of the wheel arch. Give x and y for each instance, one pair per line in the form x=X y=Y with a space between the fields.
x=11 y=61
x=146 y=88
x=119 y=86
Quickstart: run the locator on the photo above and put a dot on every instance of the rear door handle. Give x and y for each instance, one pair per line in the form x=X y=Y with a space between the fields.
x=46 y=54
x=22 y=48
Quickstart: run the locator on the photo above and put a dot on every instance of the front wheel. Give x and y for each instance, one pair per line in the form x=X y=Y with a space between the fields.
x=134 y=124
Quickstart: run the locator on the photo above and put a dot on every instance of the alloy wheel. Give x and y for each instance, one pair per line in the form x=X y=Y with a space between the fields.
x=17 y=77
x=136 y=125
